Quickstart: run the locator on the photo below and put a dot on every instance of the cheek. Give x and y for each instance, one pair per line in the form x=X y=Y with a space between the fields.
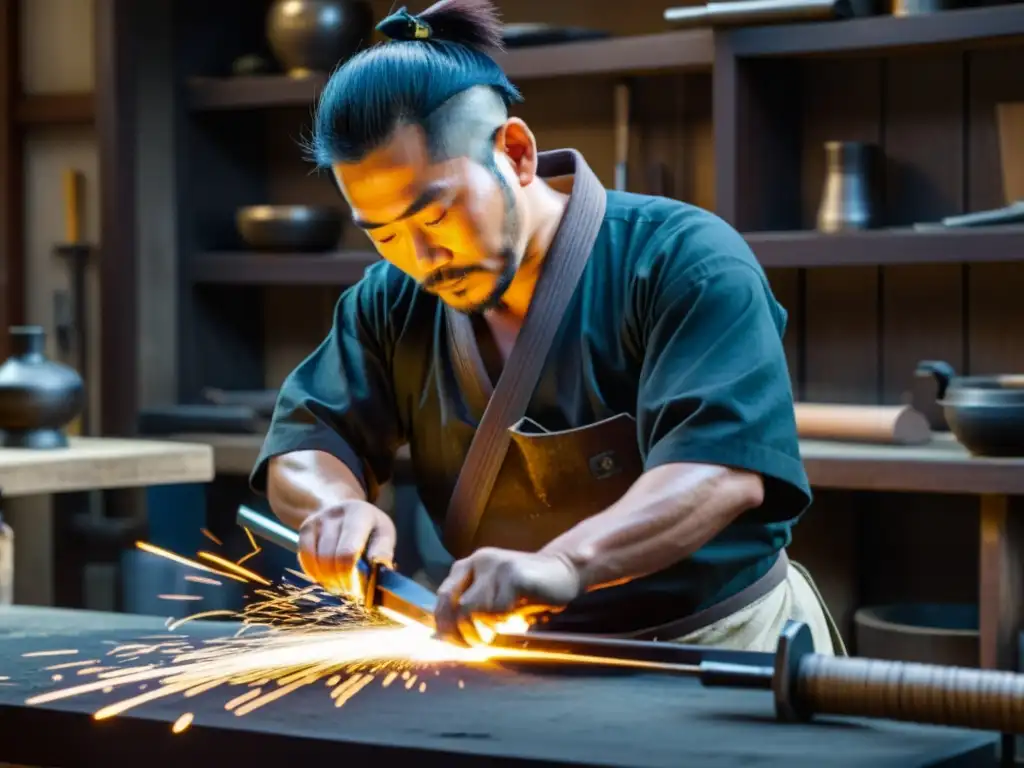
x=485 y=208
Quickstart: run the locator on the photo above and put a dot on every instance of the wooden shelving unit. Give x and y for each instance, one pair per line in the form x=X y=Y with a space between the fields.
x=641 y=54
x=947 y=29
x=56 y=109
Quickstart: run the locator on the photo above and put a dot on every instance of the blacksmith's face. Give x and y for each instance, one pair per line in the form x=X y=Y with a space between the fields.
x=451 y=225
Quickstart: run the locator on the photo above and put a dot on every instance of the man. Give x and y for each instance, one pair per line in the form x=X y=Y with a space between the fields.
x=651 y=487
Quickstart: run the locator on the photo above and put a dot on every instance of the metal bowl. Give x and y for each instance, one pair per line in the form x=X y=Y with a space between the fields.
x=302 y=228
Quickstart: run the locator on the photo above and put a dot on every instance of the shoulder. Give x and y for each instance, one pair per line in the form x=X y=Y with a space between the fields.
x=668 y=235
x=672 y=249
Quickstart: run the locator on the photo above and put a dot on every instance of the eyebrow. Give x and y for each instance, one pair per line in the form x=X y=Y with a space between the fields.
x=430 y=195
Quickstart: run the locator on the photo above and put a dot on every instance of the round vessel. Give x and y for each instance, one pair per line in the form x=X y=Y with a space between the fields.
x=38 y=396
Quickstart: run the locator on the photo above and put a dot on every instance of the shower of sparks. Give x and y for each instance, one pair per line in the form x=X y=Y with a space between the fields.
x=290 y=637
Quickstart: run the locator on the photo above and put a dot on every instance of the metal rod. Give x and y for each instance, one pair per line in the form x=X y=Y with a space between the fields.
x=634 y=650
x=268 y=529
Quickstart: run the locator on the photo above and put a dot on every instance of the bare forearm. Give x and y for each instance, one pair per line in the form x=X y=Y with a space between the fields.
x=666 y=516
x=303 y=483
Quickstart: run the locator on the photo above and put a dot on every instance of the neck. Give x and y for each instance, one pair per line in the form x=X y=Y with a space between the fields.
x=544 y=209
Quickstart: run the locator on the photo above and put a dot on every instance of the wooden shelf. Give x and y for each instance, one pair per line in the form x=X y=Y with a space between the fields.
x=56 y=109
x=692 y=49
x=245 y=268
x=773 y=249
x=686 y=50
x=882 y=247
x=950 y=29
x=253 y=92
x=237 y=454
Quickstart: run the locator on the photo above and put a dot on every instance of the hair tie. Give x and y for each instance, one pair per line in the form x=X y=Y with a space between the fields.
x=402 y=25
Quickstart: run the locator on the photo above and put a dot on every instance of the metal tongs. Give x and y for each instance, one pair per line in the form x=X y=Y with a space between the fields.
x=383 y=587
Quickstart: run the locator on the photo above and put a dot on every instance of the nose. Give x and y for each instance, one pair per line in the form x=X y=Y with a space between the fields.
x=430 y=256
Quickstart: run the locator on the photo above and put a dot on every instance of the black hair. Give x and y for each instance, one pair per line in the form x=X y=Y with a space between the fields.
x=431 y=58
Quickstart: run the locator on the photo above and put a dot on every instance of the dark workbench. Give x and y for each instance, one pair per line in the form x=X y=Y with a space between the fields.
x=499 y=718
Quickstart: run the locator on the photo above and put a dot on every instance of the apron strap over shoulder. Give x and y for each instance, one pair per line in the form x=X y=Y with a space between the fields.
x=567 y=257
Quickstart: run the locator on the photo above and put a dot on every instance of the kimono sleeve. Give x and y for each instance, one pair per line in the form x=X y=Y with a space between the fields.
x=340 y=399
x=715 y=386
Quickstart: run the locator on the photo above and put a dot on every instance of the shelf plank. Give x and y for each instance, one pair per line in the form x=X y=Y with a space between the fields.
x=952 y=29
x=677 y=51
x=941 y=466
x=692 y=49
x=885 y=247
x=245 y=268
x=55 y=109
x=237 y=454
x=773 y=249
x=95 y=463
x=253 y=92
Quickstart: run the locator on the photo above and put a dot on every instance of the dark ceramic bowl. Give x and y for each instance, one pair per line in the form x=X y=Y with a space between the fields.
x=290 y=228
x=986 y=413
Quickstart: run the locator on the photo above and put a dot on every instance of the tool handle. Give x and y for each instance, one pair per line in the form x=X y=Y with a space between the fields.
x=73 y=205
x=920 y=693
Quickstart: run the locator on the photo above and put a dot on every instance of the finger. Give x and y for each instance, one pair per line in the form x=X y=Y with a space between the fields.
x=480 y=596
x=308 y=535
x=476 y=615
x=327 y=540
x=446 y=614
x=352 y=540
x=381 y=546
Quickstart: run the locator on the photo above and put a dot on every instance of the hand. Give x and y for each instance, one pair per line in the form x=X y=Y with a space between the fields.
x=332 y=541
x=492 y=584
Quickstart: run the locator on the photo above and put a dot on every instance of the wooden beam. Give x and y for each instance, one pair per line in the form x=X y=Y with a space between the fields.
x=12 y=188
x=115 y=130
x=55 y=109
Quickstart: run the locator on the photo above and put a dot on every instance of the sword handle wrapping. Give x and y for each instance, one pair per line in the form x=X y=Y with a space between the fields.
x=922 y=693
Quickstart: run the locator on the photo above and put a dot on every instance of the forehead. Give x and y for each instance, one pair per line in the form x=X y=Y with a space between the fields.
x=382 y=184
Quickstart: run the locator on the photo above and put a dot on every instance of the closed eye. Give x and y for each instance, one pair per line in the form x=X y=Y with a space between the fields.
x=387 y=239
x=438 y=220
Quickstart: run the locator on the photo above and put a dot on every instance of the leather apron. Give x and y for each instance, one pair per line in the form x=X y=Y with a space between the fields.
x=523 y=485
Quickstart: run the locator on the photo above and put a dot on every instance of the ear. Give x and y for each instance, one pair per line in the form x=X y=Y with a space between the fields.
x=515 y=140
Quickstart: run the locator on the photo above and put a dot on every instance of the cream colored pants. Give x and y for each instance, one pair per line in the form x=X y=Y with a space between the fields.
x=758 y=626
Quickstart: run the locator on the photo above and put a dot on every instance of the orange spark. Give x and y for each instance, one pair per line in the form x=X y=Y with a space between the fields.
x=35 y=654
x=182 y=723
x=155 y=550
x=234 y=568
x=204 y=580
x=211 y=537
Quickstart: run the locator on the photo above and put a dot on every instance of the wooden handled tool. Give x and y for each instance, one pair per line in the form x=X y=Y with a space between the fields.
x=806 y=683
x=74 y=182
